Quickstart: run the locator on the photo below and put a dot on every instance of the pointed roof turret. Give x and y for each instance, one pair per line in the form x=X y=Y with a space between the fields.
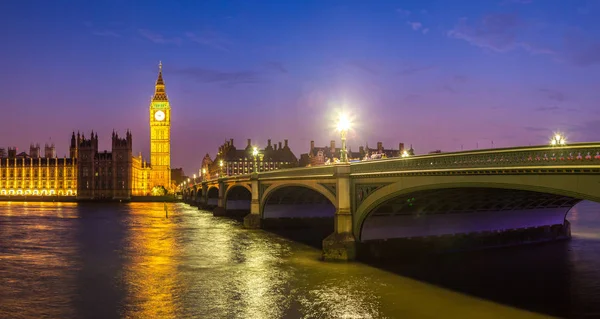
x=159 y=91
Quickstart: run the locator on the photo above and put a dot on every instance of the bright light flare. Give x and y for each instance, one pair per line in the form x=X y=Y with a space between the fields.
x=344 y=123
x=254 y=151
x=558 y=139
x=405 y=154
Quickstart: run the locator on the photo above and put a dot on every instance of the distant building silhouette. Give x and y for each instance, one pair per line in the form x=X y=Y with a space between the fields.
x=240 y=161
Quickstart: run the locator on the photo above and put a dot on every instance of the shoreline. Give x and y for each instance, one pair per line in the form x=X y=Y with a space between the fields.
x=74 y=199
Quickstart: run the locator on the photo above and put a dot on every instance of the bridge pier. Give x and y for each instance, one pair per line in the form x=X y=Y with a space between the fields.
x=341 y=245
x=220 y=209
x=253 y=219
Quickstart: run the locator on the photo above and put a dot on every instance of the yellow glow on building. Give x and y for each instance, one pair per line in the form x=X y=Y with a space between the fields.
x=38 y=176
x=160 y=135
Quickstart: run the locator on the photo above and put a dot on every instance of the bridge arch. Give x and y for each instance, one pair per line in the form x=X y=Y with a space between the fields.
x=291 y=196
x=572 y=186
x=238 y=197
x=212 y=196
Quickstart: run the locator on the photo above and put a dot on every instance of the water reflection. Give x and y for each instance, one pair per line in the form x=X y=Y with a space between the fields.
x=130 y=261
x=37 y=263
x=150 y=270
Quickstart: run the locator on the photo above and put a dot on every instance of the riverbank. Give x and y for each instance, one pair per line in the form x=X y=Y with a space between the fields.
x=74 y=199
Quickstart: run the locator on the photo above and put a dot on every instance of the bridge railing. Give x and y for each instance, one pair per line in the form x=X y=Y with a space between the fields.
x=298 y=172
x=575 y=154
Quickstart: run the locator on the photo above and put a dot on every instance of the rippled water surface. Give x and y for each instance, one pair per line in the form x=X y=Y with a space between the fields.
x=64 y=260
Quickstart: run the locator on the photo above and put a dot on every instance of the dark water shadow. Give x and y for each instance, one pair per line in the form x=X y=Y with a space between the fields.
x=308 y=231
x=541 y=278
x=102 y=233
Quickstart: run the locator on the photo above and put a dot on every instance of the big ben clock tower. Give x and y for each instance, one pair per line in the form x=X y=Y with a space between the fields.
x=160 y=135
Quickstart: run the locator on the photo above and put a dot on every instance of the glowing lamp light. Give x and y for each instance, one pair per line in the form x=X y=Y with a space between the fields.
x=221 y=163
x=254 y=151
x=558 y=139
x=405 y=154
x=344 y=123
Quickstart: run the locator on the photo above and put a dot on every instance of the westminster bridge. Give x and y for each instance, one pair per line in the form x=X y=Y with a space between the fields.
x=482 y=198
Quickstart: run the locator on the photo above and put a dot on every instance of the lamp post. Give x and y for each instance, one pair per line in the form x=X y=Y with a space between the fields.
x=221 y=167
x=558 y=140
x=194 y=179
x=203 y=173
x=343 y=126
x=254 y=154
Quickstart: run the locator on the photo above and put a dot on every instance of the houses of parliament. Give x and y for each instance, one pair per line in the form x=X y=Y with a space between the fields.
x=92 y=174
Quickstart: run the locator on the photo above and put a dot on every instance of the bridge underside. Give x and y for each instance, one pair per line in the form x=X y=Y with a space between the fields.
x=297 y=202
x=463 y=211
x=212 y=197
x=238 y=198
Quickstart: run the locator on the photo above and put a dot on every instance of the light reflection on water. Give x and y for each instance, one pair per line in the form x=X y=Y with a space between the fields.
x=128 y=261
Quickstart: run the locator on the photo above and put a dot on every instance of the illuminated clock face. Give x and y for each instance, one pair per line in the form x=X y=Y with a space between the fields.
x=159 y=115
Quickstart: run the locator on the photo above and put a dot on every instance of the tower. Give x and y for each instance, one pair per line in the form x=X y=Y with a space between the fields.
x=160 y=135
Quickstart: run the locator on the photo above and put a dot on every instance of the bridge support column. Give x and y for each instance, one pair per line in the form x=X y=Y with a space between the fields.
x=252 y=220
x=341 y=245
x=220 y=209
x=202 y=201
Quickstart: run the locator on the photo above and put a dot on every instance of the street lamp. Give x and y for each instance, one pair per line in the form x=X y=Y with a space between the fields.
x=221 y=167
x=405 y=154
x=254 y=154
x=343 y=126
x=558 y=139
x=203 y=173
x=194 y=178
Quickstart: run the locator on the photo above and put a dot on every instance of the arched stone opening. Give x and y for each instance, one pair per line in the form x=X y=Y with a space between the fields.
x=238 y=198
x=451 y=211
x=212 y=197
x=297 y=202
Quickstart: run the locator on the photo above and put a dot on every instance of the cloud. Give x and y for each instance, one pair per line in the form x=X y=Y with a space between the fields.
x=158 y=38
x=581 y=50
x=425 y=30
x=460 y=78
x=404 y=13
x=276 y=66
x=554 y=95
x=227 y=78
x=516 y=1
x=536 y=129
x=415 y=25
x=497 y=32
x=210 y=39
x=106 y=33
x=448 y=88
x=363 y=66
x=412 y=97
x=547 y=108
x=413 y=70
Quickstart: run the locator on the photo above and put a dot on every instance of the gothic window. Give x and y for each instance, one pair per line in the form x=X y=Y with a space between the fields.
x=85 y=172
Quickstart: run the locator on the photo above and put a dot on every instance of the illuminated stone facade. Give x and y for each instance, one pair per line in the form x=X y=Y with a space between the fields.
x=90 y=174
x=33 y=175
x=110 y=175
x=330 y=154
x=160 y=135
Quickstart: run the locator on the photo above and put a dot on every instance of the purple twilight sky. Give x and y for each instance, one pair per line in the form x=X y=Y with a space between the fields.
x=436 y=74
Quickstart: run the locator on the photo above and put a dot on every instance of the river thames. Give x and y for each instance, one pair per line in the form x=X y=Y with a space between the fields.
x=67 y=260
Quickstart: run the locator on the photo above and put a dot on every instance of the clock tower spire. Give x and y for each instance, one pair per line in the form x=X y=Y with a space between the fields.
x=160 y=135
